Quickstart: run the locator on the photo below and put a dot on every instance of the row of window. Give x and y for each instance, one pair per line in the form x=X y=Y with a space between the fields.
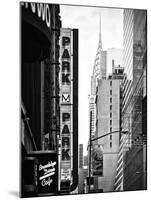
x=111 y=115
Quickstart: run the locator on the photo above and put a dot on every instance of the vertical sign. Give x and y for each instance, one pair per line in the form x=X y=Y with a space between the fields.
x=66 y=104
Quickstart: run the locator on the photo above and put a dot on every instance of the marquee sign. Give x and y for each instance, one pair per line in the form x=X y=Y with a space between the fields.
x=41 y=10
x=66 y=107
x=37 y=17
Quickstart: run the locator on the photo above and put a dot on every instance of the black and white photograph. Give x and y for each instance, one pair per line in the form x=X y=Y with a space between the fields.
x=83 y=126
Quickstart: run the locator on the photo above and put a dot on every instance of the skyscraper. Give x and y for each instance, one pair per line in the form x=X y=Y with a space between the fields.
x=113 y=54
x=99 y=72
x=99 y=67
x=135 y=158
x=80 y=155
x=131 y=170
x=125 y=140
x=105 y=61
x=108 y=120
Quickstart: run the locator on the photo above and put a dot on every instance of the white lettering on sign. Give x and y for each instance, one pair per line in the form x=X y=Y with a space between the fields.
x=46 y=182
x=65 y=98
x=48 y=171
x=47 y=15
x=65 y=174
x=66 y=78
x=47 y=175
x=42 y=10
x=33 y=7
x=50 y=164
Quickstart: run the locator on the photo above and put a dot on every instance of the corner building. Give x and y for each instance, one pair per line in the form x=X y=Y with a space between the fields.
x=40 y=30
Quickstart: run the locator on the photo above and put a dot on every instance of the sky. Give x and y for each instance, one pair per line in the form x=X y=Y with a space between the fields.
x=87 y=20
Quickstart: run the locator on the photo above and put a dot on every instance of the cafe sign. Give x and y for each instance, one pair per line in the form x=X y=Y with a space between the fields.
x=47 y=171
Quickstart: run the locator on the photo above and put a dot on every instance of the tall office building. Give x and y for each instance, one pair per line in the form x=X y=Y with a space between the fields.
x=125 y=140
x=99 y=72
x=110 y=62
x=92 y=115
x=99 y=67
x=103 y=66
x=81 y=156
x=131 y=171
x=113 y=54
x=135 y=159
x=108 y=120
x=85 y=161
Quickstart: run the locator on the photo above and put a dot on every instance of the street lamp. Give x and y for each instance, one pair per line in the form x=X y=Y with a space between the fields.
x=90 y=146
x=108 y=134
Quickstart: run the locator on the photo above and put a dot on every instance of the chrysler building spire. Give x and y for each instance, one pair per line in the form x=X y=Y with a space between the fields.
x=97 y=68
x=100 y=37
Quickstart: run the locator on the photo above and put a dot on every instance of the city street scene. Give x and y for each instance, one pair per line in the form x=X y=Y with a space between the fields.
x=83 y=99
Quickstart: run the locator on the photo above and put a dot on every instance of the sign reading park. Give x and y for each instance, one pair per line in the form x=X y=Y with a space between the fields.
x=66 y=103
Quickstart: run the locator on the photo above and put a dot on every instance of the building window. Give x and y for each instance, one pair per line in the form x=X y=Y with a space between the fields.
x=111 y=100
x=110 y=92
x=110 y=115
x=110 y=83
x=110 y=122
x=110 y=107
x=110 y=144
x=110 y=129
x=110 y=137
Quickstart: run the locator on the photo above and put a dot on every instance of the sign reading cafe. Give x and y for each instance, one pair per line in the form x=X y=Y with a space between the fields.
x=66 y=90
x=45 y=172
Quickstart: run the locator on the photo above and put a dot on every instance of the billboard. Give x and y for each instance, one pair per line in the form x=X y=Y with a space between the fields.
x=97 y=160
